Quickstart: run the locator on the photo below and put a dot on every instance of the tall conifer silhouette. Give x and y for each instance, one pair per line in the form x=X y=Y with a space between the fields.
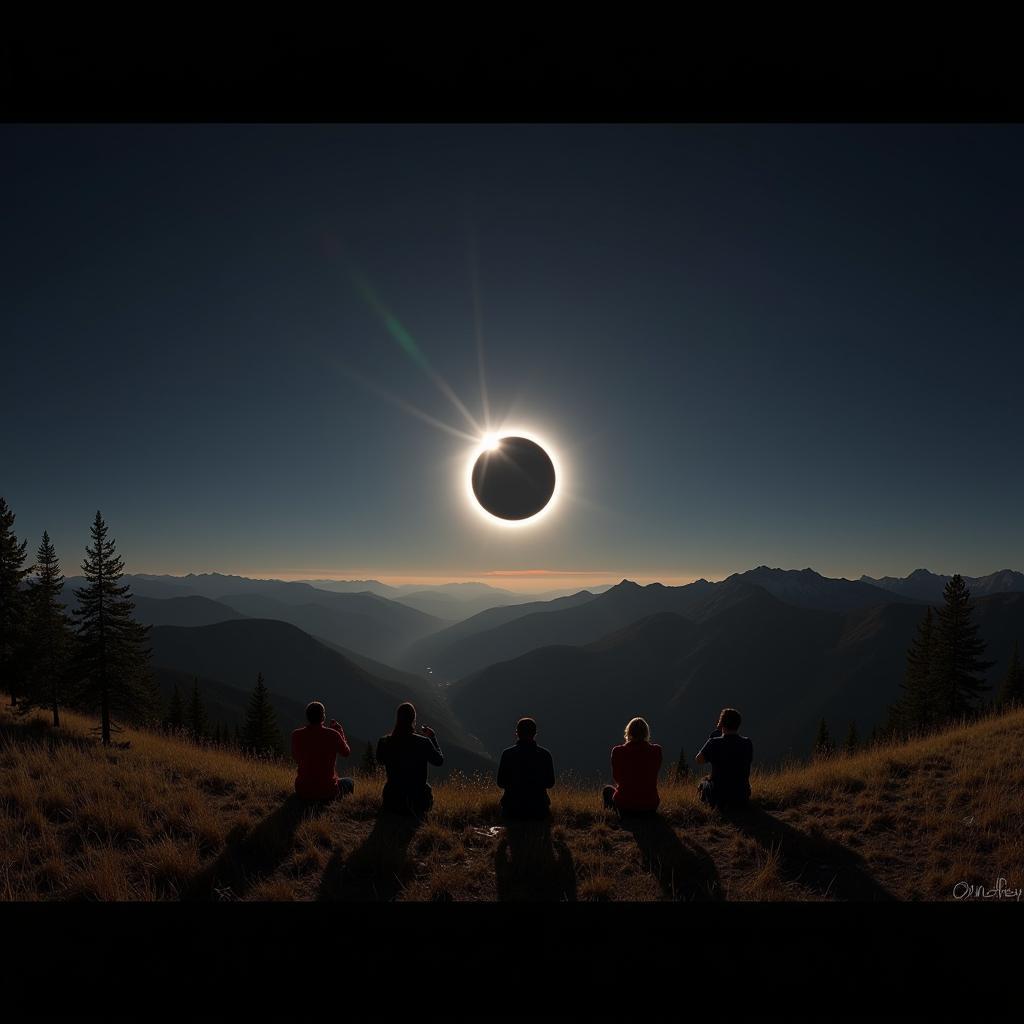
x=196 y=716
x=12 y=603
x=823 y=745
x=49 y=645
x=261 y=735
x=919 y=706
x=852 y=739
x=175 y=711
x=112 y=656
x=1011 y=692
x=959 y=666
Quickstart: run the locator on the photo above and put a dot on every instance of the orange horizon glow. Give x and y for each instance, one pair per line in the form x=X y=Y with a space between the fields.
x=525 y=580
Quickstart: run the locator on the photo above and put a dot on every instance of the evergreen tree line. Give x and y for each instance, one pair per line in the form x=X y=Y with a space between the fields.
x=944 y=679
x=97 y=659
x=258 y=734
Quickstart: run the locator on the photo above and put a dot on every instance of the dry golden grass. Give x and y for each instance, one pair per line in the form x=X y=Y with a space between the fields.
x=165 y=819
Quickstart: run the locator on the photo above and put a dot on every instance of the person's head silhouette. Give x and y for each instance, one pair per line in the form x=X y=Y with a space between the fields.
x=729 y=720
x=315 y=712
x=405 y=720
x=637 y=731
x=526 y=729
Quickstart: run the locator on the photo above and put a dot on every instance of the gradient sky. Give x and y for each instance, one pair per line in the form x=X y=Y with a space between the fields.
x=796 y=345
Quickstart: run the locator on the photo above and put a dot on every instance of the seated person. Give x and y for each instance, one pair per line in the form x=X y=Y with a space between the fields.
x=405 y=755
x=729 y=755
x=526 y=773
x=315 y=748
x=635 y=767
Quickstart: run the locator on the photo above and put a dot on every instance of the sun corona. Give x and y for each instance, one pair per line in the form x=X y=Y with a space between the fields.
x=512 y=478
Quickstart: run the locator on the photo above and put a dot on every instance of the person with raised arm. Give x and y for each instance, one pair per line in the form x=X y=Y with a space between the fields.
x=405 y=754
x=730 y=756
x=635 y=767
x=316 y=748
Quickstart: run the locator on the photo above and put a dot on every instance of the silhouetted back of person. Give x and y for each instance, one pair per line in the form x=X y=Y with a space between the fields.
x=405 y=755
x=526 y=772
x=730 y=756
x=635 y=767
x=315 y=748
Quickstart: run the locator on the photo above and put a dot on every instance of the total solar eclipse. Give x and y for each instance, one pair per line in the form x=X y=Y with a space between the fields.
x=513 y=478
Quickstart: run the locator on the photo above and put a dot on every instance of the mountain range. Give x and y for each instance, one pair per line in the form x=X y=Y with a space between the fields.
x=373 y=625
x=784 y=666
x=922 y=585
x=498 y=635
x=786 y=646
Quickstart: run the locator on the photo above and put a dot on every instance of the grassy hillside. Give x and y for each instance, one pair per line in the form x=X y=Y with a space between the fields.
x=163 y=819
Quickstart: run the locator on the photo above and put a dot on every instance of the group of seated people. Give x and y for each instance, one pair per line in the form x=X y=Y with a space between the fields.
x=526 y=771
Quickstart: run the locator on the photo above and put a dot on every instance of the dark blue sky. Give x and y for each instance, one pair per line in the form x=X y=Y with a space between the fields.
x=795 y=345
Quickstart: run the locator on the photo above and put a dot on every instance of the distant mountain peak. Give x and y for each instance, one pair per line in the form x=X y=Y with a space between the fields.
x=924 y=585
x=767 y=570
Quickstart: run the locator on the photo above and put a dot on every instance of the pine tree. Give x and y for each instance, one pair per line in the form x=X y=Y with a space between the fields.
x=175 y=719
x=682 y=766
x=1011 y=693
x=13 y=604
x=261 y=735
x=49 y=644
x=918 y=707
x=823 y=745
x=195 y=719
x=958 y=655
x=369 y=765
x=112 y=657
x=852 y=739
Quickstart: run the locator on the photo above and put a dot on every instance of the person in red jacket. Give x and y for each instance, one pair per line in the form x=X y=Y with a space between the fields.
x=635 y=767
x=315 y=748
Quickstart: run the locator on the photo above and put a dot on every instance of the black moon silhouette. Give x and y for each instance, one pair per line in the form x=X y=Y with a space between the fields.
x=514 y=479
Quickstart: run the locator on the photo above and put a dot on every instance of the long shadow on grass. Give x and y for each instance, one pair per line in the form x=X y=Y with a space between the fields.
x=530 y=865
x=378 y=868
x=821 y=865
x=252 y=854
x=685 y=871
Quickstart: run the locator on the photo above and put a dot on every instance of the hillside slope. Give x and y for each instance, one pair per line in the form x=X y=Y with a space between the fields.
x=578 y=622
x=785 y=667
x=163 y=819
x=298 y=667
x=228 y=706
x=443 y=650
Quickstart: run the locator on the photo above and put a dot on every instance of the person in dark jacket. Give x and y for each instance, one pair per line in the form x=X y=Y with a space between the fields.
x=405 y=754
x=730 y=756
x=526 y=773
